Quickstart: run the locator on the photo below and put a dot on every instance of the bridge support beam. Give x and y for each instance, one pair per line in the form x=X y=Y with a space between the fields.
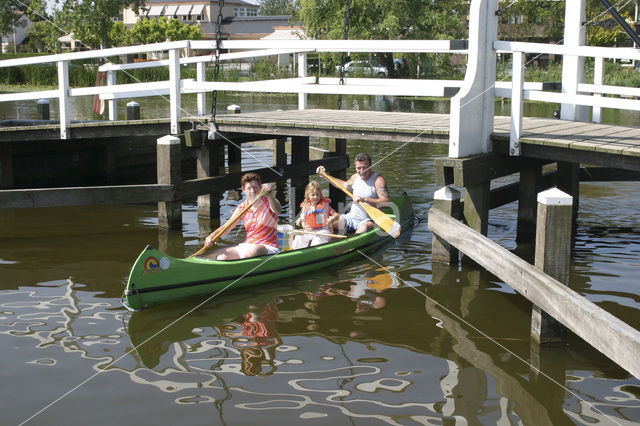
x=169 y=156
x=299 y=155
x=338 y=147
x=530 y=182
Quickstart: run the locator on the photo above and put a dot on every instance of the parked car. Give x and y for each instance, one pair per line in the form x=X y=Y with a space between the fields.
x=363 y=69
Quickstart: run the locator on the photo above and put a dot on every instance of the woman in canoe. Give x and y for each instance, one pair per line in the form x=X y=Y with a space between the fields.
x=260 y=222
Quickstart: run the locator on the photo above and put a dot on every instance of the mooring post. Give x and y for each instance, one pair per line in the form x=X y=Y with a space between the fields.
x=169 y=153
x=133 y=111
x=446 y=199
x=43 y=109
x=553 y=254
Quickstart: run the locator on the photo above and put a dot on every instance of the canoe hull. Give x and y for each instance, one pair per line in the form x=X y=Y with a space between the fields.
x=157 y=278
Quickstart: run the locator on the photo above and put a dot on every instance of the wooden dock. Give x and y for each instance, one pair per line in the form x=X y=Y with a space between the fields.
x=544 y=138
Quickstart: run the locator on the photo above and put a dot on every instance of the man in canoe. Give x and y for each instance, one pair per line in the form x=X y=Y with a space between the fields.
x=367 y=187
x=259 y=213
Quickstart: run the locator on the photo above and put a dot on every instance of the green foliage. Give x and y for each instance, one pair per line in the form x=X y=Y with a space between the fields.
x=43 y=37
x=146 y=31
x=91 y=20
x=383 y=20
x=267 y=68
x=34 y=9
x=531 y=20
x=118 y=34
x=597 y=35
x=276 y=7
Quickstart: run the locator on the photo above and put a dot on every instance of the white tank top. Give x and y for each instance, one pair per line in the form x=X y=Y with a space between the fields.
x=364 y=189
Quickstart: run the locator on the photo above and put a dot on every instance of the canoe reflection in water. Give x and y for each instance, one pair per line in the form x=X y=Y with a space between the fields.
x=364 y=292
x=257 y=338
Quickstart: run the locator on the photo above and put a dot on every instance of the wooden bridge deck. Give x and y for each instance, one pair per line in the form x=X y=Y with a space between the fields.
x=551 y=139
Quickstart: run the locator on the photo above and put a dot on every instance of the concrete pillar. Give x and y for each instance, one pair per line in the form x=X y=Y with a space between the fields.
x=169 y=173
x=446 y=199
x=553 y=255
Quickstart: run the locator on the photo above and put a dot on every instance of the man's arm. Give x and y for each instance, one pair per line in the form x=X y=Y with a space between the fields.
x=381 y=192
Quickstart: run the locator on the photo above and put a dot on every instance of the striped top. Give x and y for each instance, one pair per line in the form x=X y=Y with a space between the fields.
x=260 y=223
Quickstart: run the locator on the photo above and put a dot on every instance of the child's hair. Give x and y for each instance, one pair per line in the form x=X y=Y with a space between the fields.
x=313 y=186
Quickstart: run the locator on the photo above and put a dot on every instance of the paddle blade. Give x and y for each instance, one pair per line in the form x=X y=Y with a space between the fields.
x=386 y=223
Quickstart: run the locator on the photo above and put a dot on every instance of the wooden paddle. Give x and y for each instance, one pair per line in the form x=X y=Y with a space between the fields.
x=322 y=234
x=220 y=231
x=386 y=223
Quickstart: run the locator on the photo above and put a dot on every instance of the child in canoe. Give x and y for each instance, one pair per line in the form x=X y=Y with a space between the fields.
x=315 y=217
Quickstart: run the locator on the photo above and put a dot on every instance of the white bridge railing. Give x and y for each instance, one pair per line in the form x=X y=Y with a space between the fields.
x=181 y=53
x=589 y=95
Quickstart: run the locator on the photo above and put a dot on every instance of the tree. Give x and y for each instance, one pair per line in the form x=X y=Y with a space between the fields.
x=35 y=10
x=531 y=20
x=385 y=20
x=276 y=7
x=92 y=20
x=43 y=37
x=158 y=30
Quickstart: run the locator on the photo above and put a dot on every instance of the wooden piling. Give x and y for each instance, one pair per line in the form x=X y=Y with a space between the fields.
x=208 y=164
x=338 y=147
x=530 y=183
x=553 y=255
x=568 y=179
x=169 y=172
x=299 y=155
x=6 y=169
x=447 y=200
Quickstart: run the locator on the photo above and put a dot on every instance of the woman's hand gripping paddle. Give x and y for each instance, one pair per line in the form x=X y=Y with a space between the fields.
x=386 y=223
x=220 y=231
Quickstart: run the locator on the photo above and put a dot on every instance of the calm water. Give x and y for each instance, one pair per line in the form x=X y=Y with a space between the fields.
x=386 y=339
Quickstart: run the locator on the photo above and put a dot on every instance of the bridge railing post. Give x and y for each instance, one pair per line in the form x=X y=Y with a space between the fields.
x=63 y=98
x=517 y=87
x=111 y=103
x=302 y=72
x=174 y=90
x=598 y=79
x=201 y=97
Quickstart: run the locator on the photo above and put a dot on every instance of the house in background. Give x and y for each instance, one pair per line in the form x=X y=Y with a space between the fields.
x=21 y=25
x=241 y=18
x=200 y=12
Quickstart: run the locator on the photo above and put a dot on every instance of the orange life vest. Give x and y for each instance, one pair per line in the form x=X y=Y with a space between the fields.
x=316 y=216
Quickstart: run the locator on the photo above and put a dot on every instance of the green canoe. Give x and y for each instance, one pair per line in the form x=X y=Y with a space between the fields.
x=158 y=278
